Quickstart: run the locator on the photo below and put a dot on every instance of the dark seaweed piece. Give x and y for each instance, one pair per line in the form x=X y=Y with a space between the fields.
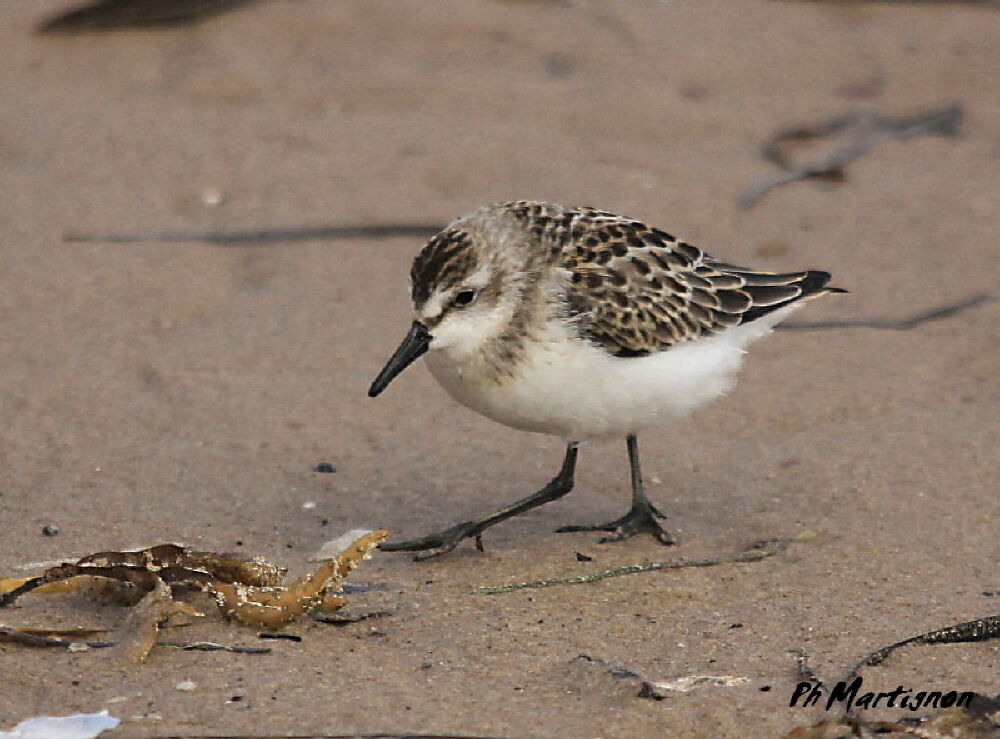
x=757 y=552
x=30 y=639
x=861 y=129
x=901 y=324
x=979 y=629
x=211 y=646
x=339 y=618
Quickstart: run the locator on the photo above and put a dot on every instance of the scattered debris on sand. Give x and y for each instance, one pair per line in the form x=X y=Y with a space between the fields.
x=978 y=721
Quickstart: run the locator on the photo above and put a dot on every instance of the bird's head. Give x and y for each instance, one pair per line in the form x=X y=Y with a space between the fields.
x=465 y=284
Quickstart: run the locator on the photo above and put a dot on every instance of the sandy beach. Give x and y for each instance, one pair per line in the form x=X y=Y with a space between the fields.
x=184 y=392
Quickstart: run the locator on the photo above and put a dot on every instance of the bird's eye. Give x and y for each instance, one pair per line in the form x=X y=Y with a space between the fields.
x=464 y=297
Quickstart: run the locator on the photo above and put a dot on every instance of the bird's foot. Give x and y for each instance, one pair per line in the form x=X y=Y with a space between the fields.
x=640 y=520
x=442 y=542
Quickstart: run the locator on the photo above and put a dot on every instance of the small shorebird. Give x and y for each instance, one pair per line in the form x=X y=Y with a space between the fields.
x=585 y=325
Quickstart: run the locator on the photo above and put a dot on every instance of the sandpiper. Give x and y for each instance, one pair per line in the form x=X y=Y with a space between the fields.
x=582 y=324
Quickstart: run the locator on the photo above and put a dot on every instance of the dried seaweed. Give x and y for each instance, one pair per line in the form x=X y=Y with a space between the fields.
x=114 y=15
x=246 y=590
x=143 y=569
x=860 y=131
x=760 y=550
x=270 y=607
x=8 y=584
x=266 y=235
x=135 y=638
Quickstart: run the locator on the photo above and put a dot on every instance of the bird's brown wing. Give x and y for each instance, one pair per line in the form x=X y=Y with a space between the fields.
x=635 y=289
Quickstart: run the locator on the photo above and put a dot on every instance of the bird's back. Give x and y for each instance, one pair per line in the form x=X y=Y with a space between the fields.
x=635 y=289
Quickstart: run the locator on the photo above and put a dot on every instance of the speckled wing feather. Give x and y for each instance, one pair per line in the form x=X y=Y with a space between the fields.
x=635 y=289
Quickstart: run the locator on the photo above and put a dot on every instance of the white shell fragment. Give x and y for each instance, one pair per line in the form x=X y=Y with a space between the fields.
x=79 y=726
x=335 y=547
x=687 y=684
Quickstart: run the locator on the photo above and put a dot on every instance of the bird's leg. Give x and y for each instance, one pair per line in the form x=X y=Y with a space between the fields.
x=444 y=541
x=641 y=518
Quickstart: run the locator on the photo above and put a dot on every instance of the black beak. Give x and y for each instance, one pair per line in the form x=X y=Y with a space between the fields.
x=409 y=351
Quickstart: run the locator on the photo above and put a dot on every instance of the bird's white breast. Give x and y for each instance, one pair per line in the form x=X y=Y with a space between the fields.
x=563 y=386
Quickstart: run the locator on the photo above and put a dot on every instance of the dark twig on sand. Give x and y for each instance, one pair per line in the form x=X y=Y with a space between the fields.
x=339 y=618
x=27 y=638
x=265 y=235
x=863 y=130
x=944 y=311
x=211 y=646
x=761 y=550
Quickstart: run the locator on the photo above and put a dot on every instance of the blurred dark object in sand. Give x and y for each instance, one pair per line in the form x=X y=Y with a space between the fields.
x=291 y=234
x=115 y=15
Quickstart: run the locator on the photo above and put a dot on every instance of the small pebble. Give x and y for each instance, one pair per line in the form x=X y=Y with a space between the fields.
x=50 y=530
x=186 y=686
x=309 y=505
x=324 y=467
